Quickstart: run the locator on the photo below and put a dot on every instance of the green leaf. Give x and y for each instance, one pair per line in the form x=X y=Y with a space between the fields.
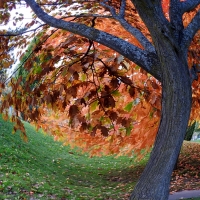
x=137 y=67
x=64 y=72
x=37 y=70
x=128 y=130
x=116 y=93
x=101 y=118
x=93 y=106
x=128 y=107
x=83 y=77
x=87 y=116
x=151 y=114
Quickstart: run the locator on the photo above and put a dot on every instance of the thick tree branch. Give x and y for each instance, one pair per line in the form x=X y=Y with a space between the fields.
x=189 y=5
x=159 y=27
x=176 y=18
x=134 y=31
x=146 y=60
x=190 y=31
x=152 y=14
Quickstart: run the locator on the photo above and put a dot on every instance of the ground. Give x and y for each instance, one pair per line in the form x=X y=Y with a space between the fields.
x=187 y=175
x=44 y=169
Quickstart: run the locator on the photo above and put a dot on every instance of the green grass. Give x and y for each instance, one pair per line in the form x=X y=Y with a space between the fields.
x=44 y=169
x=197 y=141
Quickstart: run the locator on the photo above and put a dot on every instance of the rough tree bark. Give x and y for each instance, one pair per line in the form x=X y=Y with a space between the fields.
x=176 y=105
x=176 y=102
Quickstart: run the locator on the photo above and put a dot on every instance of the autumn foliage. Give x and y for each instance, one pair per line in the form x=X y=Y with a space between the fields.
x=85 y=94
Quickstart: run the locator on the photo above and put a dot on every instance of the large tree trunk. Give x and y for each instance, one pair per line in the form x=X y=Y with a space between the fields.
x=176 y=105
x=176 y=102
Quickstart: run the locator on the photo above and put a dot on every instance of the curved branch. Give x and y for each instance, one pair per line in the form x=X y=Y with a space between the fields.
x=190 y=31
x=176 y=17
x=138 y=35
x=147 y=60
x=17 y=33
x=132 y=30
x=187 y=6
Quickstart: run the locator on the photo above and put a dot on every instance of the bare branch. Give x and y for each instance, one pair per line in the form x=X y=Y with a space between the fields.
x=189 y=5
x=176 y=17
x=138 y=35
x=91 y=15
x=112 y=10
x=122 y=9
x=146 y=60
x=190 y=31
x=134 y=31
x=17 y=33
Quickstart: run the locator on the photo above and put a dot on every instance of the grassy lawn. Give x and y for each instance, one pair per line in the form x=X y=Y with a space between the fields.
x=44 y=169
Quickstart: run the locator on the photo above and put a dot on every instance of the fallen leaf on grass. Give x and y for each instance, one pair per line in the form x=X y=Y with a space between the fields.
x=187 y=175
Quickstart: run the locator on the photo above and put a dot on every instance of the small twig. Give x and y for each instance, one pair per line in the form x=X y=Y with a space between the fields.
x=8 y=34
x=122 y=9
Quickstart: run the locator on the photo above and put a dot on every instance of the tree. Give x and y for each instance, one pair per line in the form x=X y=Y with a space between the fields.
x=162 y=52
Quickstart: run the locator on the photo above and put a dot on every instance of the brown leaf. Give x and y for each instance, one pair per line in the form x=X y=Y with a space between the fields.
x=132 y=91
x=154 y=85
x=92 y=93
x=84 y=126
x=102 y=72
x=104 y=131
x=114 y=82
x=113 y=115
x=56 y=94
x=119 y=120
x=109 y=102
x=73 y=91
x=73 y=111
x=2 y=2
x=83 y=101
x=75 y=75
x=76 y=68
x=107 y=88
x=64 y=104
x=48 y=99
x=126 y=122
